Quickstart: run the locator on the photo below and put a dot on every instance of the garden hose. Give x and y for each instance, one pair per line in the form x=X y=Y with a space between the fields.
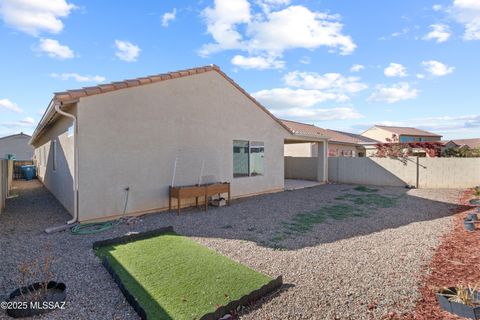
x=97 y=227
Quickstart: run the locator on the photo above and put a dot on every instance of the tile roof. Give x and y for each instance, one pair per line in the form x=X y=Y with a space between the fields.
x=334 y=135
x=73 y=95
x=408 y=131
x=357 y=138
x=305 y=129
x=118 y=85
x=471 y=143
x=15 y=135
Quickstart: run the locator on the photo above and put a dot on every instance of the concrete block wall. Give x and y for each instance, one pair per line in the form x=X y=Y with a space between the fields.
x=304 y=168
x=432 y=172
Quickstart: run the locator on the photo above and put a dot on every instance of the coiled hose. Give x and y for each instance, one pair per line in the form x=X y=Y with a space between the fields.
x=97 y=227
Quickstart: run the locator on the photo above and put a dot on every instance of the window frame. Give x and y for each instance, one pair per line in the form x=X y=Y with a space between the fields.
x=250 y=144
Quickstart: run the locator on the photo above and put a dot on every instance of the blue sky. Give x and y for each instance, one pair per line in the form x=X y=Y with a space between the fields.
x=339 y=64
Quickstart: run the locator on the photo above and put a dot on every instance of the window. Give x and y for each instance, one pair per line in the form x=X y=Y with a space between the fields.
x=257 y=153
x=248 y=158
x=54 y=155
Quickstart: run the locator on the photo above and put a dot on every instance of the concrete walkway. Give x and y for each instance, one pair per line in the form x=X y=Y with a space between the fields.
x=295 y=184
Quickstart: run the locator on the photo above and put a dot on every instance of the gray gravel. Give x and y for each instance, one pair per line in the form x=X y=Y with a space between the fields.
x=333 y=271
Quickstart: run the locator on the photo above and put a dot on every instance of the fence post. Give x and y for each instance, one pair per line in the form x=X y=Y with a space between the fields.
x=3 y=184
x=418 y=173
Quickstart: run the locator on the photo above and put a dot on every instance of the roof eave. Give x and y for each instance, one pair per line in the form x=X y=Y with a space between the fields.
x=47 y=117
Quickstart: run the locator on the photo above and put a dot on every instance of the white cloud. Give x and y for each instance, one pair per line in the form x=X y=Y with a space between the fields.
x=34 y=16
x=232 y=25
x=305 y=60
x=329 y=82
x=168 y=17
x=357 y=68
x=437 y=7
x=467 y=12
x=54 y=49
x=24 y=123
x=222 y=21
x=286 y=98
x=268 y=5
x=439 y=32
x=127 y=51
x=298 y=27
x=77 y=77
x=395 y=70
x=420 y=76
x=259 y=63
x=397 y=92
x=436 y=68
x=10 y=106
x=318 y=114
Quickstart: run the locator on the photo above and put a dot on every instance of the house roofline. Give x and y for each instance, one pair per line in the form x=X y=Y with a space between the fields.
x=74 y=96
x=14 y=135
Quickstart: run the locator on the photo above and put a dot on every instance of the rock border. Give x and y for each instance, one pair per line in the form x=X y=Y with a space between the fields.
x=253 y=296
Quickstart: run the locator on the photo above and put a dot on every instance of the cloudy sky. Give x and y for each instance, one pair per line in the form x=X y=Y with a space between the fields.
x=339 y=64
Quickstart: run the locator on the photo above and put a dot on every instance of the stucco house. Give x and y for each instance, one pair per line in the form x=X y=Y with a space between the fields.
x=17 y=145
x=340 y=144
x=462 y=143
x=404 y=134
x=93 y=144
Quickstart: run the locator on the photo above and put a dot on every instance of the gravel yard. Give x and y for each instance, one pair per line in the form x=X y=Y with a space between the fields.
x=345 y=253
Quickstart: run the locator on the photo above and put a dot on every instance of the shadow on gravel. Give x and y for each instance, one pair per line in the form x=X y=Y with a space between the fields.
x=324 y=214
x=285 y=221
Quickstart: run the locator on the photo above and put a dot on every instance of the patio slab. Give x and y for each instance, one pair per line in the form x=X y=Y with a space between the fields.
x=294 y=184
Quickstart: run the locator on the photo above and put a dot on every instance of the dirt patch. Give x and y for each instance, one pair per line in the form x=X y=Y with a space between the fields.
x=455 y=262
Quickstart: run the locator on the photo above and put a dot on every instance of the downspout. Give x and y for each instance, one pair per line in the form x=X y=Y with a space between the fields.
x=75 y=161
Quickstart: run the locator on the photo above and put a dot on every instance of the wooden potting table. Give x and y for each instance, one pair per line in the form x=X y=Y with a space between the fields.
x=197 y=191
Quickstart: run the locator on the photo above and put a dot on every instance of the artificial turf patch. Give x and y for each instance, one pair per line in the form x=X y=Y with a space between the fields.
x=173 y=277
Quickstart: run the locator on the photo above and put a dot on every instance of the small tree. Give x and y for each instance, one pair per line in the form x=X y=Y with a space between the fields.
x=393 y=148
x=462 y=152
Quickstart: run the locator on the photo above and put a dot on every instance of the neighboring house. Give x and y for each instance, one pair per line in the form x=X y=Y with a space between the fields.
x=17 y=145
x=93 y=143
x=404 y=134
x=462 y=143
x=340 y=144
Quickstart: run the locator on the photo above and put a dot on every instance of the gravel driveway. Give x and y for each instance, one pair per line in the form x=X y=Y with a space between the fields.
x=343 y=253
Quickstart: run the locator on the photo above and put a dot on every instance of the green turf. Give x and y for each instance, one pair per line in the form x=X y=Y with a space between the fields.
x=358 y=205
x=174 y=277
x=364 y=189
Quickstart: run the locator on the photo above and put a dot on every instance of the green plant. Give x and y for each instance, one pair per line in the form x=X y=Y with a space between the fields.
x=476 y=191
x=462 y=294
x=365 y=189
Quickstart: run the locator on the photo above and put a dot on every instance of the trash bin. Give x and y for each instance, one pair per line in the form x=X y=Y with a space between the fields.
x=28 y=172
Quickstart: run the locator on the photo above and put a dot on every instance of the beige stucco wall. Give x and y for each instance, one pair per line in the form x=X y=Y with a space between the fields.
x=433 y=172
x=131 y=137
x=311 y=149
x=60 y=180
x=382 y=135
x=336 y=149
x=18 y=145
x=377 y=134
x=304 y=168
x=306 y=149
